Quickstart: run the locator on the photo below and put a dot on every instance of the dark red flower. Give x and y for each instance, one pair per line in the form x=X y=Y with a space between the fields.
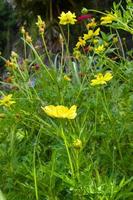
x=86 y=49
x=82 y=17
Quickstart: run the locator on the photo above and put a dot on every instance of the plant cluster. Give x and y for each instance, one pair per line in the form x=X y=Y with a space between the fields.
x=66 y=128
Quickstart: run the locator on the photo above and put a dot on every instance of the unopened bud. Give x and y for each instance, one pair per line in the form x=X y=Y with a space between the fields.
x=77 y=144
x=28 y=38
x=84 y=11
x=14 y=54
x=22 y=30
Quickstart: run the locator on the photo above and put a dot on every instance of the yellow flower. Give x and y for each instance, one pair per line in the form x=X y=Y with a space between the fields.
x=91 y=24
x=108 y=19
x=40 y=24
x=91 y=34
x=67 y=18
x=88 y=35
x=60 y=111
x=6 y=100
x=96 y=33
x=95 y=41
x=28 y=38
x=100 y=79
x=14 y=54
x=10 y=64
x=80 y=43
x=67 y=78
x=100 y=49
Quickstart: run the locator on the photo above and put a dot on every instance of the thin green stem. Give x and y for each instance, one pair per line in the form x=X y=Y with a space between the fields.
x=96 y=111
x=40 y=60
x=45 y=46
x=68 y=152
x=105 y=104
x=25 y=54
x=68 y=35
x=77 y=164
x=34 y=172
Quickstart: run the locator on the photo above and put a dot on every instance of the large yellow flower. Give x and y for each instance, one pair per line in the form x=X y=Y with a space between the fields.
x=6 y=100
x=67 y=18
x=108 y=19
x=60 y=111
x=101 y=79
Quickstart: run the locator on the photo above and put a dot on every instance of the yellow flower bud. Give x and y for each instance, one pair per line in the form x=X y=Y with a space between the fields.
x=14 y=54
x=77 y=144
x=22 y=30
x=28 y=38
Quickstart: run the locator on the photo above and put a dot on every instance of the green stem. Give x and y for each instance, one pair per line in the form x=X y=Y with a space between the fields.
x=105 y=104
x=96 y=111
x=68 y=152
x=34 y=173
x=45 y=46
x=24 y=48
x=77 y=164
x=40 y=60
x=68 y=35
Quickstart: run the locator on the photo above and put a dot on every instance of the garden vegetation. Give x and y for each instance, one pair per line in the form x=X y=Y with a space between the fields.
x=66 y=127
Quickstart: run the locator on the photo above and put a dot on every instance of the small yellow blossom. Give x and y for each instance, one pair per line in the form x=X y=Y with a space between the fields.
x=28 y=38
x=108 y=19
x=10 y=64
x=100 y=49
x=80 y=43
x=14 y=54
x=60 y=111
x=97 y=31
x=40 y=24
x=88 y=35
x=91 y=34
x=6 y=101
x=91 y=24
x=67 y=18
x=101 y=79
x=77 y=144
x=67 y=78
x=95 y=41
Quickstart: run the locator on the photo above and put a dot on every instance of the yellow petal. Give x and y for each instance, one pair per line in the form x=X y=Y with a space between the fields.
x=72 y=112
x=61 y=111
x=50 y=110
x=108 y=76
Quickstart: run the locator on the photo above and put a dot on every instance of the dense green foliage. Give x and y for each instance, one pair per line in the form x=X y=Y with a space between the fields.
x=43 y=157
